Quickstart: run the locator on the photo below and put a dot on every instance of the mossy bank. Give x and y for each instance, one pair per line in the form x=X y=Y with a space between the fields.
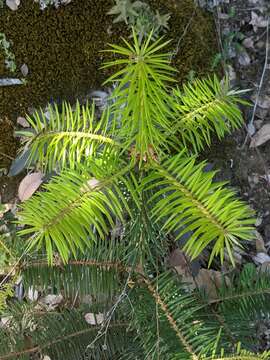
x=62 y=50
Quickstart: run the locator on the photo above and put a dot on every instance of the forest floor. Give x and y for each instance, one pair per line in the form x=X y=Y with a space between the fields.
x=61 y=49
x=242 y=27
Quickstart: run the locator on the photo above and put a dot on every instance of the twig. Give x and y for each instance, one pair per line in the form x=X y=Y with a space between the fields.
x=174 y=53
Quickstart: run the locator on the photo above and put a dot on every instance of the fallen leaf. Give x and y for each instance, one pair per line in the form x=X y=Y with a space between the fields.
x=260 y=246
x=93 y=183
x=210 y=281
x=46 y=357
x=90 y=185
x=29 y=184
x=23 y=122
x=52 y=301
x=94 y=319
x=32 y=294
x=261 y=136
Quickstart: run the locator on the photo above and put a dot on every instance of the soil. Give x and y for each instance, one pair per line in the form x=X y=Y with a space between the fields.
x=62 y=50
x=246 y=168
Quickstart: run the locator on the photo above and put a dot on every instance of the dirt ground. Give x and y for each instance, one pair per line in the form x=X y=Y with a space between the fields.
x=247 y=168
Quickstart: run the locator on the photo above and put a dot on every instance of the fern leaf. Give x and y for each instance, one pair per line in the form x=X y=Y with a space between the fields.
x=168 y=321
x=96 y=273
x=74 y=208
x=203 y=108
x=141 y=98
x=64 y=335
x=243 y=304
x=67 y=138
x=188 y=200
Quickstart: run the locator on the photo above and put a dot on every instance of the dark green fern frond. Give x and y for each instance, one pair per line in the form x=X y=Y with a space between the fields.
x=168 y=321
x=188 y=200
x=203 y=108
x=63 y=335
x=243 y=304
x=146 y=243
x=74 y=209
x=98 y=272
x=141 y=97
x=67 y=138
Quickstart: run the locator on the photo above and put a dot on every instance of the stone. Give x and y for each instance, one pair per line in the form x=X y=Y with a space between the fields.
x=24 y=70
x=13 y=4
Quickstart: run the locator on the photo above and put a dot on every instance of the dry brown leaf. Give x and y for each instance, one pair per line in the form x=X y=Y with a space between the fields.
x=178 y=261
x=29 y=184
x=260 y=246
x=210 y=281
x=261 y=136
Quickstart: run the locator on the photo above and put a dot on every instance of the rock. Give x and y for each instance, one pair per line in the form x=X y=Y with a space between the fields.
x=257 y=21
x=5 y=321
x=261 y=258
x=13 y=4
x=232 y=75
x=24 y=70
x=251 y=129
x=253 y=180
x=244 y=58
x=263 y=101
x=258 y=124
x=261 y=136
x=248 y=43
x=261 y=113
x=259 y=221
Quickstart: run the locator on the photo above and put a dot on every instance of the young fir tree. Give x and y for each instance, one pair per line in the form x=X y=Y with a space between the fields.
x=126 y=187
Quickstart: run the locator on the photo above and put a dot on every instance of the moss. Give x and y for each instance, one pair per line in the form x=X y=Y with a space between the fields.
x=62 y=48
x=7 y=144
x=62 y=51
x=196 y=29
